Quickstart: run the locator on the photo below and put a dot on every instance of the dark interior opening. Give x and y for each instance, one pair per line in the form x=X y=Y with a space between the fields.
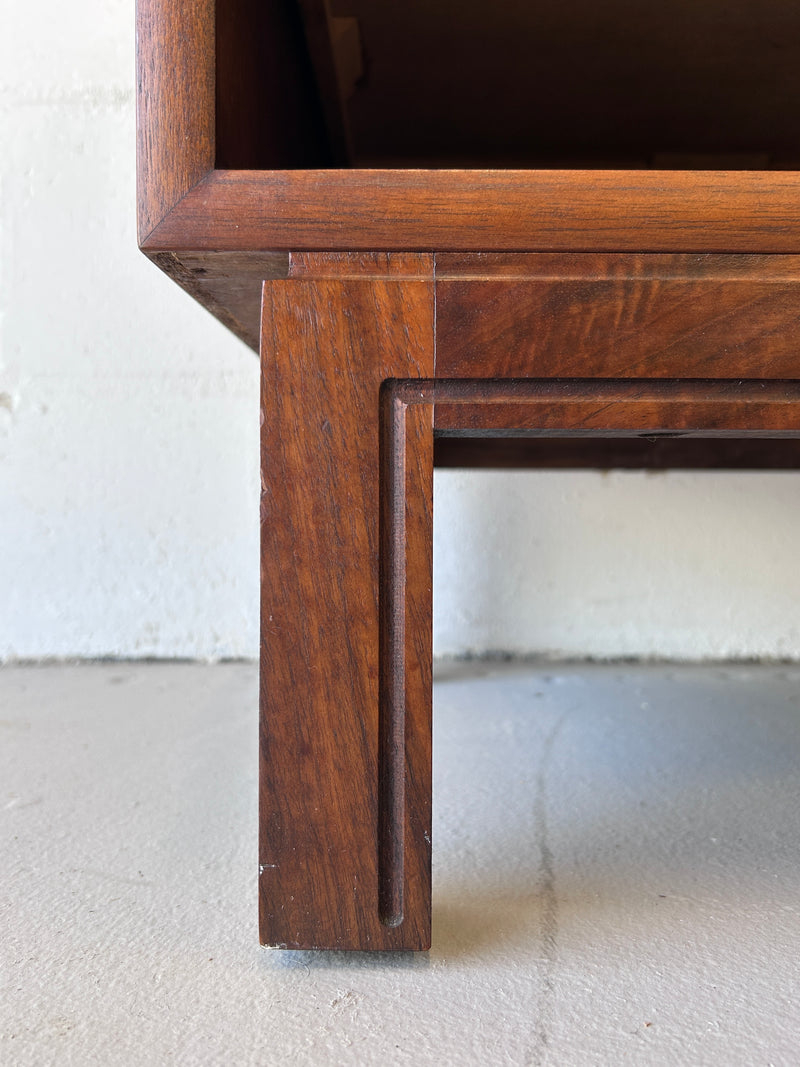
x=689 y=84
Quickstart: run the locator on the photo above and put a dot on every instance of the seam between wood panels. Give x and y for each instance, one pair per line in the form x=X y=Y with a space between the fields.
x=435 y=306
x=144 y=242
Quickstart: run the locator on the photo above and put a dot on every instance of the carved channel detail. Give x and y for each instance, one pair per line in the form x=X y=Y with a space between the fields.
x=522 y=407
x=392 y=684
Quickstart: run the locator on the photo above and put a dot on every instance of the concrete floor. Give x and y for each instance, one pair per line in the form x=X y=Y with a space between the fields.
x=616 y=861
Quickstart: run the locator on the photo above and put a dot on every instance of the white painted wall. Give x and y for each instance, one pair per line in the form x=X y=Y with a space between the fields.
x=128 y=440
x=685 y=565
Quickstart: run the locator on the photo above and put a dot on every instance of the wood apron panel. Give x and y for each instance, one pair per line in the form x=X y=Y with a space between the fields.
x=648 y=316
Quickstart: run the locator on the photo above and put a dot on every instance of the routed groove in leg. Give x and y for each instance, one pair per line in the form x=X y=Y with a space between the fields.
x=391 y=738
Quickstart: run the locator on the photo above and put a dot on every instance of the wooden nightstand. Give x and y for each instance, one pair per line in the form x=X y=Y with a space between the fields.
x=586 y=308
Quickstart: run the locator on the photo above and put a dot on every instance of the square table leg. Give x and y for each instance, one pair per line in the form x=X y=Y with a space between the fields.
x=346 y=620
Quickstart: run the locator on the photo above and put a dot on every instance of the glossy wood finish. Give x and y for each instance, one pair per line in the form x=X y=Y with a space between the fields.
x=504 y=210
x=617 y=316
x=330 y=717
x=593 y=267
x=212 y=91
x=645 y=313
x=593 y=407
x=199 y=108
x=175 y=104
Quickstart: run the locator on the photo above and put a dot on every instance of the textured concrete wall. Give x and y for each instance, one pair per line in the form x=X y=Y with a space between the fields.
x=128 y=437
x=128 y=447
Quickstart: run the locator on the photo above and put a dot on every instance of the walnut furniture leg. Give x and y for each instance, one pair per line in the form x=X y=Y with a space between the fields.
x=351 y=399
x=346 y=672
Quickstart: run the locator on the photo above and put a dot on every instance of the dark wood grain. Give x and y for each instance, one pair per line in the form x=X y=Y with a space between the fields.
x=361 y=265
x=175 y=103
x=593 y=407
x=555 y=210
x=574 y=287
x=618 y=317
x=264 y=112
x=596 y=266
x=228 y=284
x=327 y=346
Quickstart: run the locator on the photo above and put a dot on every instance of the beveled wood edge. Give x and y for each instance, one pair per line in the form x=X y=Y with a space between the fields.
x=611 y=407
x=627 y=267
x=186 y=204
x=175 y=106
x=475 y=210
x=228 y=283
x=392 y=656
